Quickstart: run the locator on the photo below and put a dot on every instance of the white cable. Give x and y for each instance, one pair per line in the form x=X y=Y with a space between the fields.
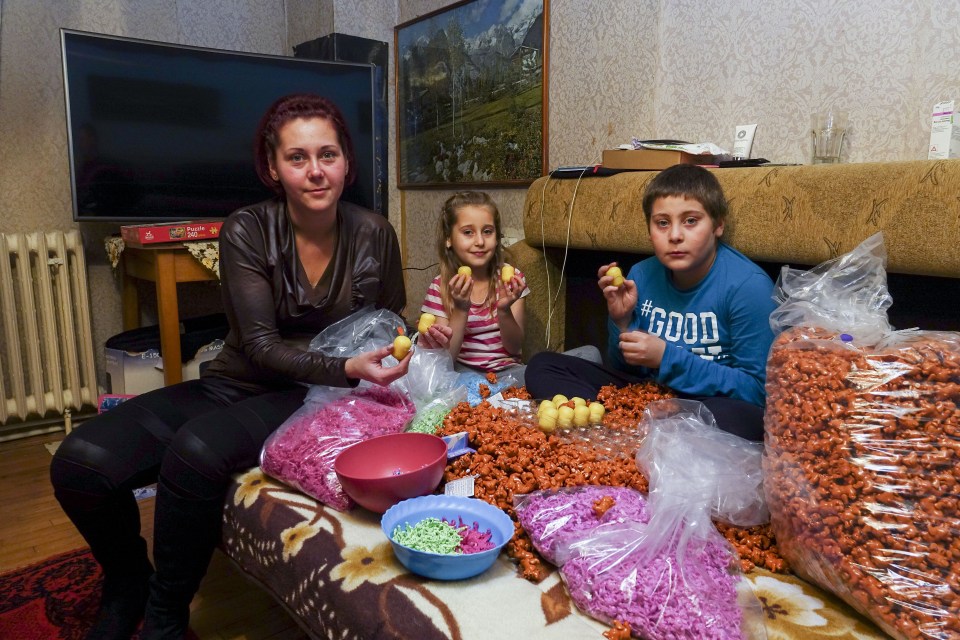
x=566 y=248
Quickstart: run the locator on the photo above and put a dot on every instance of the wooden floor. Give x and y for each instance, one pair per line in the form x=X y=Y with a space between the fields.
x=32 y=528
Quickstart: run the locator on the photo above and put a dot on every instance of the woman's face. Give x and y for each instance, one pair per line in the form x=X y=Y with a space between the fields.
x=310 y=165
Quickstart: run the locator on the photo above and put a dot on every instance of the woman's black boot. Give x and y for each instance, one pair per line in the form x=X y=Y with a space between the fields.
x=109 y=521
x=186 y=531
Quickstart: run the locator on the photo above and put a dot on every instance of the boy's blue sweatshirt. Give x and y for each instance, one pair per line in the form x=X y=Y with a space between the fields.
x=717 y=333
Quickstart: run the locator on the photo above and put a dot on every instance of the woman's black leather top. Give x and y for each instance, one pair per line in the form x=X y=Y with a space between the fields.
x=273 y=310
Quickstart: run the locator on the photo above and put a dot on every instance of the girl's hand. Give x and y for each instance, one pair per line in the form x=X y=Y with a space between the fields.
x=508 y=292
x=461 y=287
x=622 y=300
x=369 y=366
x=436 y=337
x=642 y=349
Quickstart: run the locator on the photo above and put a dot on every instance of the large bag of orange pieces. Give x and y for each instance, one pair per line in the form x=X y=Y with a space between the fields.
x=862 y=453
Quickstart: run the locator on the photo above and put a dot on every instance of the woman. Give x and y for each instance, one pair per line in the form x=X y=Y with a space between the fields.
x=290 y=267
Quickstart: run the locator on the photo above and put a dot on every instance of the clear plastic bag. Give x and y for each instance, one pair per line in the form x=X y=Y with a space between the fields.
x=658 y=563
x=430 y=375
x=301 y=452
x=429 y=417
x=848 y=294
x=861 y=457
x=697 y=474
x=475 y=383
x=361 y=331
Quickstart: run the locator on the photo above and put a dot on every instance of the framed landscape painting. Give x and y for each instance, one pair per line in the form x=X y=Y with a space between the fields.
x=472 y=95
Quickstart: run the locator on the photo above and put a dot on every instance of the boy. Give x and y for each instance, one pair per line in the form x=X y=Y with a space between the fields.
x=695 y=317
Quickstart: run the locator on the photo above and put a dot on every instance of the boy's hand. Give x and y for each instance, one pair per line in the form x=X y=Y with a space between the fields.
x=368 y=366
x=461 y=287
x=621 y=301
x=436 y=337
x=642 y=349
x=508 y=292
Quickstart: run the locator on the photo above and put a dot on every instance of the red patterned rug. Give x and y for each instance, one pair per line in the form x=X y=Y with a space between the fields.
x=52 y=600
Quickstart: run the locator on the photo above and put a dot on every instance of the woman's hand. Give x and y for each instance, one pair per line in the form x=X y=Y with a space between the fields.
x=508 y=292
x=436 y=337
x=621 y=301
x=461 y=287
x=369 y=366
x=642 y=349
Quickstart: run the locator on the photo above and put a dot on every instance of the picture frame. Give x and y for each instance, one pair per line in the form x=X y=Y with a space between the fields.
x=471 y=89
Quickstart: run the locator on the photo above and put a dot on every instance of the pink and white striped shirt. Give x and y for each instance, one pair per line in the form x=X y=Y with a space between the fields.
x=482 y=346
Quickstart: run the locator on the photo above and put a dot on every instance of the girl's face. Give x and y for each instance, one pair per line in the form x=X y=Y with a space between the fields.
x=684 y=238
x=474 y=236
x=310 y=165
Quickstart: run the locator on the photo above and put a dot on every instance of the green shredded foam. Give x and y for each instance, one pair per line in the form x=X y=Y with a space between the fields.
x=430 y=534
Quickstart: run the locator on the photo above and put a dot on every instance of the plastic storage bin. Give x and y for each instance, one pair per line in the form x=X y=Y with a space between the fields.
x=135 y=365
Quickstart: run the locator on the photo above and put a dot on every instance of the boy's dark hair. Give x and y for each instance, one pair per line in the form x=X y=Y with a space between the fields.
x=687 y=181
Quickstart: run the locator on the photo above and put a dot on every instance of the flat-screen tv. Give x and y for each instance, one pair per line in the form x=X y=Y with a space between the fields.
x=160 y=132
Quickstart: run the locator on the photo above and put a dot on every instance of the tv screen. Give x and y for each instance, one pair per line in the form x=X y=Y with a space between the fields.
x=160 y=132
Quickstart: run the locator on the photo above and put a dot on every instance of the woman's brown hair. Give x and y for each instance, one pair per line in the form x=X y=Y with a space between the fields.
x=291 y=107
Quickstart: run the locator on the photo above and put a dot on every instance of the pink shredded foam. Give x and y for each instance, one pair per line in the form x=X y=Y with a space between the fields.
x=664 y=598
x=472 y=540
x=302 y=451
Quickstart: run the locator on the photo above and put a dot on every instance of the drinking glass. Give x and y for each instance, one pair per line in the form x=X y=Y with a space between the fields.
x=828 y=129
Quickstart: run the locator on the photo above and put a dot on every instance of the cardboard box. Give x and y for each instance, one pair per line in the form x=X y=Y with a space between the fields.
x=944 y=132
x=651 y=159
x=138 y=235
x=133 y=373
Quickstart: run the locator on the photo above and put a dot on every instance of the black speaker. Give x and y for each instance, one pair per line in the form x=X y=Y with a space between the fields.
x=340 y=47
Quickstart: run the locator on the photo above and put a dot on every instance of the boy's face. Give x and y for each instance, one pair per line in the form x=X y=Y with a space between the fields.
x=684 y=238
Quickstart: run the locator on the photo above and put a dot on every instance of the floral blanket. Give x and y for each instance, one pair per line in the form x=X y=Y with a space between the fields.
x=337 y=574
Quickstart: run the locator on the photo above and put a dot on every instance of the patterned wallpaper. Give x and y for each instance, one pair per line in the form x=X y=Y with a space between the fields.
x=688 y=69
x=775 y=62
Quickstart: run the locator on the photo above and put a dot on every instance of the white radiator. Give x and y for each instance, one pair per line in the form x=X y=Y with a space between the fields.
x=46 y=360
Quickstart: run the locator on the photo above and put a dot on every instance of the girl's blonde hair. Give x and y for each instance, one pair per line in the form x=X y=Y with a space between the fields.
x=449 y=263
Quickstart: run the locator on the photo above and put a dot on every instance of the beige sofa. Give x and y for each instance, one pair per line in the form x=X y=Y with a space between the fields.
x=799 y=215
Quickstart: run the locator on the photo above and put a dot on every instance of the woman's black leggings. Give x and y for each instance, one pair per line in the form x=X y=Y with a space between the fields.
x=189 y=438
x=551 y=373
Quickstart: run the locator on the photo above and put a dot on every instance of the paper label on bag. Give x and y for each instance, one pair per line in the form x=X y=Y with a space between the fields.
x=516 y=404
x=461 y=487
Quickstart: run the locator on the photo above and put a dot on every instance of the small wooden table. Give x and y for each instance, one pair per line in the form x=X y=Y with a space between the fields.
x=166 y=265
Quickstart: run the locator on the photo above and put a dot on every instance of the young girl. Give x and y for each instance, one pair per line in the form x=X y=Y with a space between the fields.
x=479 y=316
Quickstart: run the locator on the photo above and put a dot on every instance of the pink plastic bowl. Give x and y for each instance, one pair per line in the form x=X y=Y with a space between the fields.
x=380 y=472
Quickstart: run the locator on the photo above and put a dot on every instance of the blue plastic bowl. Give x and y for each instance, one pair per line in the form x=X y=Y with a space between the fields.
x=441 y=566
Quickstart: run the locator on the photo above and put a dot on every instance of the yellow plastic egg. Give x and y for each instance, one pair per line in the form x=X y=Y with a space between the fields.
x=426 y=321
x=581 y=415
x=578 y=401
x=465 y=271
x=596 y=412
x=564 y=417
x=559 y=399
x=546 y=404
x=506 y=273
x=616 y=274
x=401 y=345
x=547 y=423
